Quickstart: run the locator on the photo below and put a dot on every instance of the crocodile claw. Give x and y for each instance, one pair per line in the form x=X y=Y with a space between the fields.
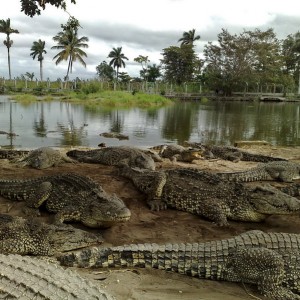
x=157 y=205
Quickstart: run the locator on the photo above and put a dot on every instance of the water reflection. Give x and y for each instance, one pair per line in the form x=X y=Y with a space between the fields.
x=179 y=122
x=72 y=135
x=40 y=126
x=117 y=121
x=59 y=124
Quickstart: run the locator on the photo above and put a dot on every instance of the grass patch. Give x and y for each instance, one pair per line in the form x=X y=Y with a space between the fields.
x=204 y=100
x=24 y=98
x=117 y=99
x=101 y=98
x=31 y=98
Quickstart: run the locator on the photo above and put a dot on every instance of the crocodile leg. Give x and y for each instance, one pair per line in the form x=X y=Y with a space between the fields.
x=154 y=190
x=34 y=199
x=40 y=195
x=214 y=210
x=67 y=214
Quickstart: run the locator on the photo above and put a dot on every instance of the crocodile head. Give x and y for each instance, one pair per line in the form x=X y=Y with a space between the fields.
x=191 y=154
x=143 y=161
x=41 y=161
x=285 y=171
x=43 y=158
x=105 y=211
x=268 y=200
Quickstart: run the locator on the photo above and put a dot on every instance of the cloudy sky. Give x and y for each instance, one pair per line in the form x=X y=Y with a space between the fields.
x=140 y=27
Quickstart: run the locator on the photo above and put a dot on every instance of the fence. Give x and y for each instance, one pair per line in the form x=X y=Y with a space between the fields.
x=23 y=85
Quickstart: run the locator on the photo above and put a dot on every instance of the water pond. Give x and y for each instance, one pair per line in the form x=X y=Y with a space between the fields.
x=59 y=124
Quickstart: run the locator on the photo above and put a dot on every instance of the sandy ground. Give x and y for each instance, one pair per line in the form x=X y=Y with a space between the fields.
x=160 y=227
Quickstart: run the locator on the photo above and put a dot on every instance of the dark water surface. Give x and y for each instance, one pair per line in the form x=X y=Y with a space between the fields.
x=60 y=124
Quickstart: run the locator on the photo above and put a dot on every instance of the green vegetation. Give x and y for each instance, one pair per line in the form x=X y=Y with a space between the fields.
x=102 y=98
x=69 y=45
x=24 y=98
x=204 y=100
x=118 y=99
x=6 y=29
x=188 y=37
x=179 y=63
x=117 y=59
x=250 y=62
x=38 y=49
x=33 y=7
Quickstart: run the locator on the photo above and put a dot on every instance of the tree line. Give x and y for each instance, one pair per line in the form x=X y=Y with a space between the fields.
x=248 y=61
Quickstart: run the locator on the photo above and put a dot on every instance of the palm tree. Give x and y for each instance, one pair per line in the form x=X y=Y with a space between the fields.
x=5 y=28
x=38 y=49
x=29 y=75
x=188 y=37
x=70 y=44
x=117 y=59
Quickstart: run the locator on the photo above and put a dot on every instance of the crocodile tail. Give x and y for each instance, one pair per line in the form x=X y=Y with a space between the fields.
x=121 y=256
x=75 y=153
x=260 y=158
x=181 y=258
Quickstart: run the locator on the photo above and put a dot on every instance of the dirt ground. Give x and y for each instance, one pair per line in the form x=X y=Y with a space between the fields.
x=160 y=227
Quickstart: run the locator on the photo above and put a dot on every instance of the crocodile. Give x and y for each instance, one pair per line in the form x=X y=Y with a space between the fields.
x=292 y=189
x=113 y=156
x=114 y=135
x=285 y=171
x=72 y=197
x=31 y=237
x=271 y=261
x=43 y=158
x=176 y=152
x=25 y=277
x=12 y=153
x=208 y=195
x=232 y=153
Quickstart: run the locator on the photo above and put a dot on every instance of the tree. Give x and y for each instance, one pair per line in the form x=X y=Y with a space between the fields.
x=69 y=43
x=188 y=37
x=179 y=64
x=32 y=7
x=105 y=71
x=29 y=75
x=252 y=58
x=124 y=77
x=291 y=56
x=153 y=72
x=266 y=50
x=117 y=59
x=143 y=60
x=38 y=49
x=5 y=28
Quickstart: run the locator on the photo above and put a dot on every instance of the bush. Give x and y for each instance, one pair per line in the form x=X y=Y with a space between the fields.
x=90 y=88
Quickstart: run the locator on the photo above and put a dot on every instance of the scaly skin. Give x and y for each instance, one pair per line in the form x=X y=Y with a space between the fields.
x=24 y=277
x=208 y=195
x=269 y=260
x=71 y=196
x=285 y=171
x=114 y=156
x=178 y=153
x=30 y=237
x=12 y=154
x=43 y=158
x=233 y=154
x=114 y=135
x=292 y=189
